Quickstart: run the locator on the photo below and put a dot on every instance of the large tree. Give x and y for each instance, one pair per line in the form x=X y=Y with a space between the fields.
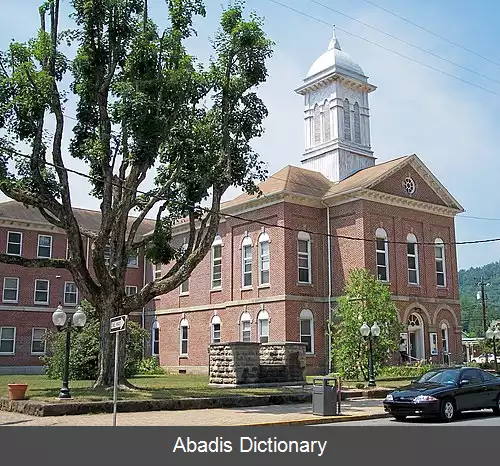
x=143 y=104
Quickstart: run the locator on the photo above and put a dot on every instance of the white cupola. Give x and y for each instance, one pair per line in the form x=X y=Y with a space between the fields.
x=336 y=117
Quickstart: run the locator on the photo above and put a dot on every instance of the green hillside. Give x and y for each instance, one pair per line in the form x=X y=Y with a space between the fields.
x=472 y=316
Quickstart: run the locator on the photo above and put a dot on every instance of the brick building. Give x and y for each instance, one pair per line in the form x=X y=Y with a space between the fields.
x=273 y=268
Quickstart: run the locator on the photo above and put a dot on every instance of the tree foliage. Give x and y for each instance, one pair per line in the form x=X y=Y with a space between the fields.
x=367 y=300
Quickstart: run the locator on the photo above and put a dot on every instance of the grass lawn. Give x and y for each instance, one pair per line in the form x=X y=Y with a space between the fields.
x=380 y=383
x=152 y=387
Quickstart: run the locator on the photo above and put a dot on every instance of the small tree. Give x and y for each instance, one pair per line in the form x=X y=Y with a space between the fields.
x=365 y=300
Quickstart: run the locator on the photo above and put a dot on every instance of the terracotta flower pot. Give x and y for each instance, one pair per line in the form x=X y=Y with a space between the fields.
x=17 y=391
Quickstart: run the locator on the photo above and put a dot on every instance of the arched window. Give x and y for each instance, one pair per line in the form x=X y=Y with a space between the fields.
x=246 y=261
x=382 y=253
x=347 y=120
x=440 y=263
x=215 y=329
x=263 y=321
x=317 y=124
x=264 y=259
x=412 y=256
x=307 y=329
x=246 y=327
x=155 y=339
x=304 y=257
x=326 y=122
x=445 y=342
x=217 y=262
x=184 y=337
x=357 y=125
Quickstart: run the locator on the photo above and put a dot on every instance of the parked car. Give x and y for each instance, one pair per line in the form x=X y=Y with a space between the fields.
x=481 y=359
x=445 y=392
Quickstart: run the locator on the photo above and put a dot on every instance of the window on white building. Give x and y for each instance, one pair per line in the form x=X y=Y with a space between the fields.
x=217 y=263
x=412 y=256
x=382 y=255
x=14 y=243
x=304 y=257
x=263 y=321
x=215 y=329
x=307 y=329
x=10 y=290
x=155 y=339
x=347 y=120
x=44 y=246
x=264 y=259
x=42 y=288
x=246 y=261
x=184 y=337
x=440 y=263
x=246 y=327
x=357 y=124
x=38 y=343
x=70 y=294
x=326 y=121
x=317 y=124
x=7 y=340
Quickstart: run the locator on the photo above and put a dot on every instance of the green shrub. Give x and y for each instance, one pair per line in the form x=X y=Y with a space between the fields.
x=150 y=366
x=84 y=355
x=405 y=371
x=360 y=385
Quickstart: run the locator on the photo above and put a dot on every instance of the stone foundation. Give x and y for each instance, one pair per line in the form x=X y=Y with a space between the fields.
x=238 y=363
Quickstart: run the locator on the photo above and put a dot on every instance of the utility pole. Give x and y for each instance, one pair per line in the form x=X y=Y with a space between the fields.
x=482 y=284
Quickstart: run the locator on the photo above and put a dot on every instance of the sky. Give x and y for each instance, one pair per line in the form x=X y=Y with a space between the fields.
x=444 y=113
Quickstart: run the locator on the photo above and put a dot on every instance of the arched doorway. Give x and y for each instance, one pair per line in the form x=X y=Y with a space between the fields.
x=416 y=337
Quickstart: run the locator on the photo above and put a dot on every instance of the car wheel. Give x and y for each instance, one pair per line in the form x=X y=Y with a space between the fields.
x=399 y=417
x=447 y=411
x=496 y=409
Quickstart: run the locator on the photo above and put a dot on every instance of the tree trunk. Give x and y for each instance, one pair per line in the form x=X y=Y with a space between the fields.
x=106 y=366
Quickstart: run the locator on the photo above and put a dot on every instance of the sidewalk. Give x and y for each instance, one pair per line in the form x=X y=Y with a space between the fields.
x=291 y=414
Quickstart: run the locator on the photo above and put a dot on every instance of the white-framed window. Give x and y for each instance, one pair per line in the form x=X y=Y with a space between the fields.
x=317 y=124
x=263 y=323
x=10 y=290
x=215 y=329
x=307 y=329
x=246 y=261
x=44 y=246
x=184 y=288
x=433 y=343
x=382 y=255
x=42 y=290
x=440 y=263
x=217 y=263
x=38 y=343
x=412 y=256
x=246 y=327
x=70 y=294
x=444 y=338
x=7 y=340
x=14 y=243
x=264 y=259
x=157 y=271
x=184 y=337
x=130 y=290
x=304 y=257
x=357 y=124
x=347 y=120
x=155 y=339
x=133 y=261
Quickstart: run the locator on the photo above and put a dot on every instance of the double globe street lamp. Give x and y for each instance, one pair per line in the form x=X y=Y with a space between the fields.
x=369 y=333
x=67 y=323
x=494 y=335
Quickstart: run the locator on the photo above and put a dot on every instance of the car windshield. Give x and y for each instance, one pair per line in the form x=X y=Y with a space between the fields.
x=449 y=376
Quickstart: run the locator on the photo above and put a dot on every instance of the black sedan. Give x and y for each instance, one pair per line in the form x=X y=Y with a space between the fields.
x=445 y=392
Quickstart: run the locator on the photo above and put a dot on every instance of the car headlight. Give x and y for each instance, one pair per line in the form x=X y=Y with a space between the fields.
x=389 y=397
x=424 y=399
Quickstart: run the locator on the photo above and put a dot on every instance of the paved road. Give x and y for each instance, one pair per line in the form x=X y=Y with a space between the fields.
x=480 y=418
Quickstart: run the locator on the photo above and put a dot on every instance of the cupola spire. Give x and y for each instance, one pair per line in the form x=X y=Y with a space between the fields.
x=334 y=43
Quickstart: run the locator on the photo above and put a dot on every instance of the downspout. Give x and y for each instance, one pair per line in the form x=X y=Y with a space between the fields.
x=329 y=345
x=143 y=316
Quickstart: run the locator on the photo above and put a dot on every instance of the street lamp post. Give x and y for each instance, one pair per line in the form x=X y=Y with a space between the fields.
x=494 y=335
x=368 y=334
x=65 y=323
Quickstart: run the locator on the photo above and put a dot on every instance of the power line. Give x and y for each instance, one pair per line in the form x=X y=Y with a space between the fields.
x=406 y=42
x=456 y=44
x=260 y=222
x=385 y=48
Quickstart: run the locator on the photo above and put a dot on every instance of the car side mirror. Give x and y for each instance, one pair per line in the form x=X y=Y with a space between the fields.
x=464 y=382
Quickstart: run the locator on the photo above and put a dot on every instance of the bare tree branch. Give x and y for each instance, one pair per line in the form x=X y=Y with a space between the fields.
x=34 y=263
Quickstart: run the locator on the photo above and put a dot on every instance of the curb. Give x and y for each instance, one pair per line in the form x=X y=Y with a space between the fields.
x=319 y=420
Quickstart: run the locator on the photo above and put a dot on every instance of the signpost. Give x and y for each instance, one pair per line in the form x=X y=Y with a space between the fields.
x=116 y=325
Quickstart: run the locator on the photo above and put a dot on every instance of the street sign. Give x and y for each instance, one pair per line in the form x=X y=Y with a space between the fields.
x=117 y=324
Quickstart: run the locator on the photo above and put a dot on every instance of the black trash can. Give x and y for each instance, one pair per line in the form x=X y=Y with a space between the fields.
x=324 y=397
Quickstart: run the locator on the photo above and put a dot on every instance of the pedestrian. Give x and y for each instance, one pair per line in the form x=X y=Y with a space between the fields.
x=403 y=350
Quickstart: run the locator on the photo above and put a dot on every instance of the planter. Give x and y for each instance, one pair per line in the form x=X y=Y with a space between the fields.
x=17 y=391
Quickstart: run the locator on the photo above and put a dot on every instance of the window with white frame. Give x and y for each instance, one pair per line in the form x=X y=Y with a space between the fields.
x=246 y=261
x=304 y=257
x=38 y=343
x=264 y=259
x=263 y=322
x=10 y=290
x=215 y=329
x=14 y=243
x=157 y=272
x=412 y=256
x=44 y=246
x=184 y=327
x=357 y=124
x=246 y=327
x=133 y=261
x=433 y=343
x=42 y=289
x=444 y=338
x=382 y=253
x=7 y=340
x=70 y=294
x=130 y=290
x=440 y=263
x=347 y=120
x=185 y=286
x=155 y=339
x=307 y=330
x=217 y=262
